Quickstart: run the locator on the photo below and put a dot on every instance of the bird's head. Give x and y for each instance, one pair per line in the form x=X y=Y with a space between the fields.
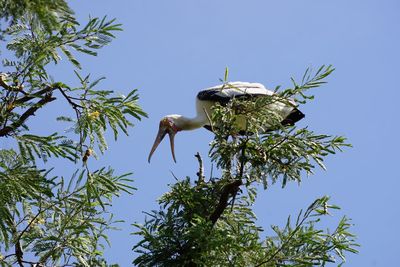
x=168 y=125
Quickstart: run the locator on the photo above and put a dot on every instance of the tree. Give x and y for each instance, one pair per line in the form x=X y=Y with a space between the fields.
x=47 y=219
x=211 y=222
x=50 y=219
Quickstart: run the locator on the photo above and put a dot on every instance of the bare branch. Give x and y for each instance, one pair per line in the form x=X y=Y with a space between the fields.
x=37 y=94
x=18 y=253
x=228 y=190
x=200 y=173
x=68 y=98
x=29 y=112
x=209 y=119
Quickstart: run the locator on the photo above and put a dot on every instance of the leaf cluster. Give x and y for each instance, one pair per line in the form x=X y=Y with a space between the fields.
x=102 y=109
x=268 y=149
x=302 y=244
x=28 y=87
x=18 y=182
x=182 y=232
x=44 y=13
x=52 y=220
x=44 y=147
x=65 y=221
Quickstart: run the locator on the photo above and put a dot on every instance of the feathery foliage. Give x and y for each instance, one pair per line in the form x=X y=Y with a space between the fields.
x=47 y=218
x=52 y=219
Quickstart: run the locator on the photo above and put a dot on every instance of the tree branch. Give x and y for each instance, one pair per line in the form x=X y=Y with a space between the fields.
x=68 y=98
x=200 y=174
x=17 y=88
x=29 y=112
x=228 y=190
x=18 y=253
x=29 y=97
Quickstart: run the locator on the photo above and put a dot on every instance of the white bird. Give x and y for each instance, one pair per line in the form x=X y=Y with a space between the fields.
x=207 y=98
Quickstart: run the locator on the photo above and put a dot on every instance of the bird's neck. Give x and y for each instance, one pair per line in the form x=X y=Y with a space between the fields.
x=187 y=124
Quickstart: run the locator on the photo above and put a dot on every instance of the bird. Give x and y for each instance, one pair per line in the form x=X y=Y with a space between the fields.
x=222 y=94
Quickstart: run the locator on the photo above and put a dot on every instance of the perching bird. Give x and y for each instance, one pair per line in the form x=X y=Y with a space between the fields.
x=171 y=124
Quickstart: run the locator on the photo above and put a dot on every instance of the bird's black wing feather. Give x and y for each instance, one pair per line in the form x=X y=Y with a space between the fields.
x=215 y=95
x=208 y=127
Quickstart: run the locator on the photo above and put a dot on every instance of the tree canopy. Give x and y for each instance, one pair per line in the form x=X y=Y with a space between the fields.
x=47 y=218
x=50 y=219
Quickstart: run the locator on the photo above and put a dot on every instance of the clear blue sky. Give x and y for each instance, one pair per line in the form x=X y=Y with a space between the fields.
x=171 y=49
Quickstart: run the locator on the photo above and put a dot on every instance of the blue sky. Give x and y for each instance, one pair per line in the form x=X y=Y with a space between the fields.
x=172 y=49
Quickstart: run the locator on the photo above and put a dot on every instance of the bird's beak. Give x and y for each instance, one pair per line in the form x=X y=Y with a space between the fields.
x=162 y=131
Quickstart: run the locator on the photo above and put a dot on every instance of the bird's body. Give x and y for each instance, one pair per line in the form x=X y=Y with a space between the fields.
x=222 y=94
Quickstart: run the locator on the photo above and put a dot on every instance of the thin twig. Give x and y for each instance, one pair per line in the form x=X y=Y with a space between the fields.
x=209 y=119
x=277 y=144
x=306 y=215
x=18 y=253
x=29 y=112
x=77 y=108
x=173 y=175
x=40 y=211
x=67 y=97
x=242 y=159
x=9 y=87
x=37 y=94
x=200 y=174
x=241 y=171
x=5 y=257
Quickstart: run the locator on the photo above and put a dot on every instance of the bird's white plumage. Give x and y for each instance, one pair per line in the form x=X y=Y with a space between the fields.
x=208 y=97
x=233 y=89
